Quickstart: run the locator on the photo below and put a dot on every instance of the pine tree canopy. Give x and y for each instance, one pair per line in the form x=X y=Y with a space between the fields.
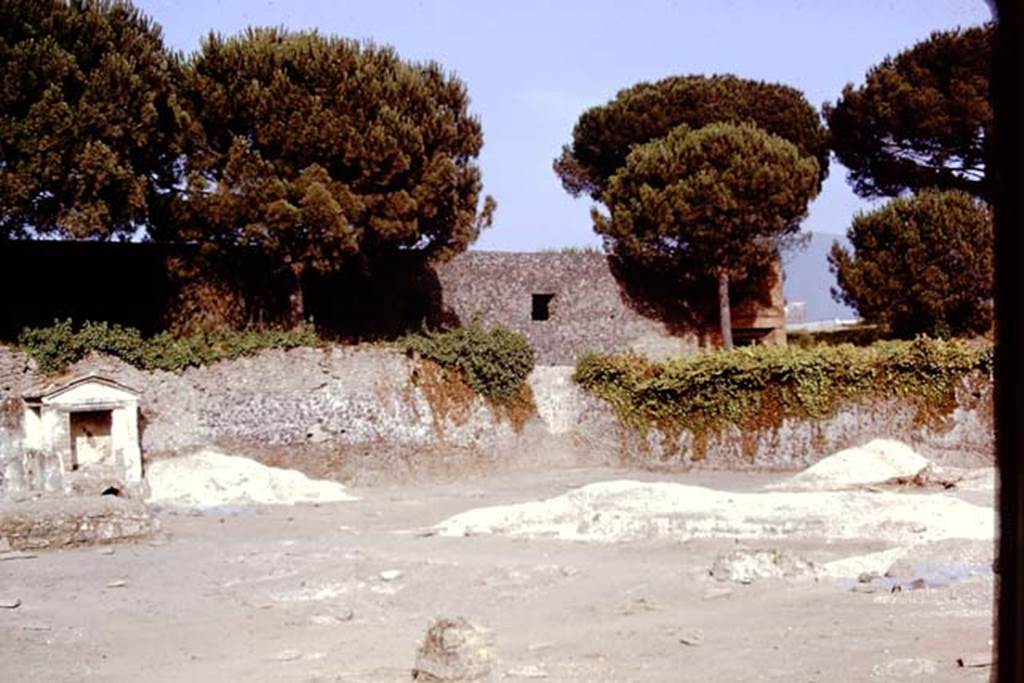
x=920 y=265
x=319 y=149
x=713 y=200
x=921 y=119
x=90 y=125
x=604 y=136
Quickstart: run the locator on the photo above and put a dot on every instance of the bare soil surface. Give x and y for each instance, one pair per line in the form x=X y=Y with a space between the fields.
x=345 y=592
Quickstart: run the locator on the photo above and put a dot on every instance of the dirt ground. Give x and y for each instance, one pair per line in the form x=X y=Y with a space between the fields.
x=296 y=594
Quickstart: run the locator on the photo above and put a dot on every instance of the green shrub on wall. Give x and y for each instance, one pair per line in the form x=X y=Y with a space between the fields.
x=56 y=347
x=858 y=335
x=494 y=361
x=759 y=386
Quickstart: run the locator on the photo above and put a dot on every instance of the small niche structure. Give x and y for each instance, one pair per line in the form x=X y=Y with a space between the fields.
x=88 y=429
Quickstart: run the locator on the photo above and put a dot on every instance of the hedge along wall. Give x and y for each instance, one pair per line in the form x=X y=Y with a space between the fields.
x=787 y=407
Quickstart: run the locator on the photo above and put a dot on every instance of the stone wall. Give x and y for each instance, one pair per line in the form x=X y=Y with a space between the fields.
x=964 y=437
x=53 y=522
x=585 y=305
x=359 y=414
x=15 y=377
x=369 y=414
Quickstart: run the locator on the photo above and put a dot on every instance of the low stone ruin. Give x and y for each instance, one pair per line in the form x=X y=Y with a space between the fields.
x=50 y=522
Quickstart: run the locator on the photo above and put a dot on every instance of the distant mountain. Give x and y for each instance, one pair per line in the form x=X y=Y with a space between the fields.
x=808 y=279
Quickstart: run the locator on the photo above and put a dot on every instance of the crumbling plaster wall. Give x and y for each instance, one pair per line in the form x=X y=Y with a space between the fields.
x=365 y=415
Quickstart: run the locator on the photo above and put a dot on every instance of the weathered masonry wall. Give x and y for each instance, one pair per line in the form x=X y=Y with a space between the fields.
x=964 y=437
x=565 y=304
x=47 y=523
x=366 y=415
x=356 y=414
x=571 y=303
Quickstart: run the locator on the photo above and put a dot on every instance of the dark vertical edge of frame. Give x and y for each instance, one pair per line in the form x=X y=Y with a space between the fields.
x=1005 y=165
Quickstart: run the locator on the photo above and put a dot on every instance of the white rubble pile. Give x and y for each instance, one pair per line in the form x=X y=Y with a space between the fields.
x=744 y=566
x=617 y=511
x=872 y=563
x=876 y=462
x=936 y=563
x=211 y=479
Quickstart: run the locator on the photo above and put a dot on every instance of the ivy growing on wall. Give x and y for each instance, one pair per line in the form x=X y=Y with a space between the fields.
x=56 y=347
x=495 y=362
x=759 y=386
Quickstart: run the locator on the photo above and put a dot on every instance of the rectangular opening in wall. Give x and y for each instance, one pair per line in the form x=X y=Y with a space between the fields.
x=541 y=309
x=91 y=441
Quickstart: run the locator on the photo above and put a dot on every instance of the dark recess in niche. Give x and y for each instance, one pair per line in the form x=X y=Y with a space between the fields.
x=541 y=307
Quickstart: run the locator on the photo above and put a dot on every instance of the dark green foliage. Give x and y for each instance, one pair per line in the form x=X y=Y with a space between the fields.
x=56 y=347
x=317 y=149
x=858 y=335
x=715 y=202
x=167 y=352
x=53 y=348
x=495 y=361
x=921 y=264
x=922 y=118
x=759 y=386
x=90 y=126
x=605 y=135
x=718 y=197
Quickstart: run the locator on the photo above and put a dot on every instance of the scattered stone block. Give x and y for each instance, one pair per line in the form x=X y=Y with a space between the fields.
x=746 y=566
x=527 y=671
x=455 y=650
x=693 y=638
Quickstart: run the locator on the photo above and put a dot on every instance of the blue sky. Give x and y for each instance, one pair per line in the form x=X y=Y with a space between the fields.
x=532 y=67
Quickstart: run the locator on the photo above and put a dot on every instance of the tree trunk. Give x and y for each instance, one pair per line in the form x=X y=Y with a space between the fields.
x=296 y=300
x=724 y=314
